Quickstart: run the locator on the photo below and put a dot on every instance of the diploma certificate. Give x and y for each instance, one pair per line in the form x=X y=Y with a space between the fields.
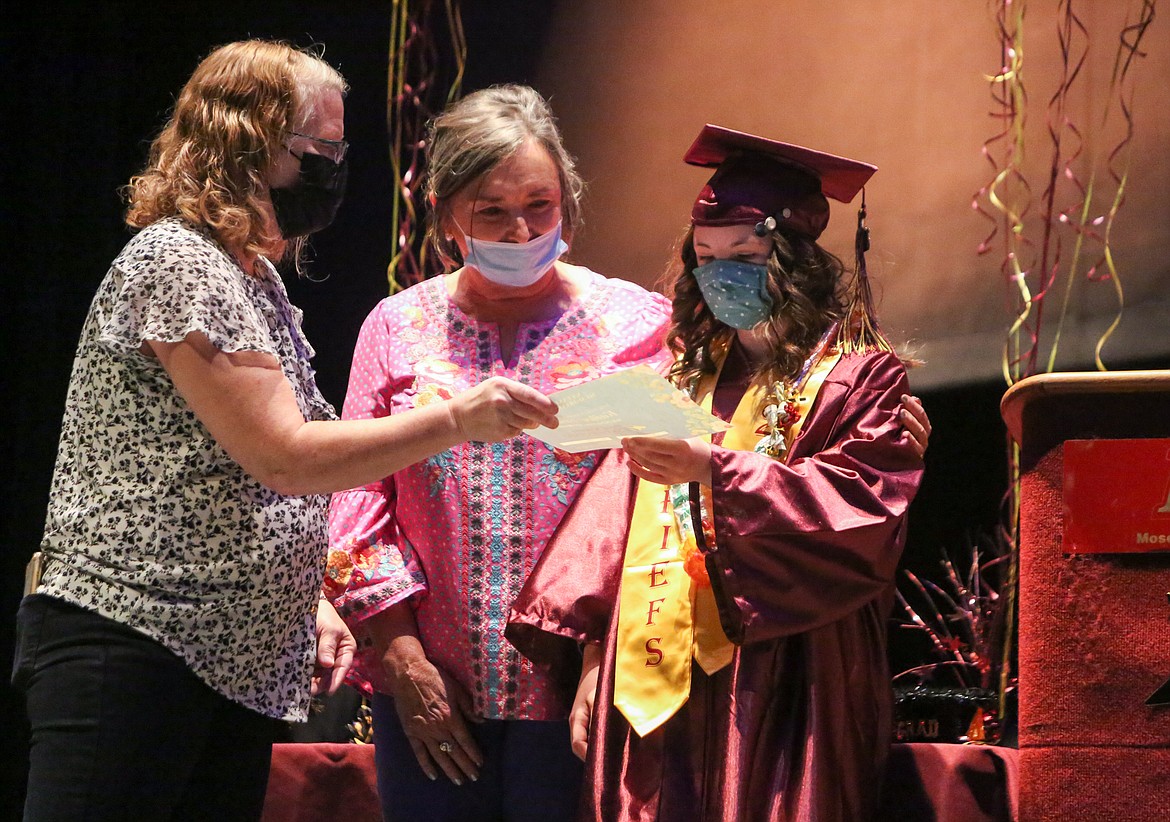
x=636 y=402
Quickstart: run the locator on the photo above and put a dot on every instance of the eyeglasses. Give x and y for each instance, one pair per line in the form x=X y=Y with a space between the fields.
x=334 y=149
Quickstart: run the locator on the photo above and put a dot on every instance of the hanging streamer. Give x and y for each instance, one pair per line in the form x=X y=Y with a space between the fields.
x=1030 y=269
x=1074 y=48
x=1121 y=85
x=1009 y=191
x=1033 y=267
x=417 y=91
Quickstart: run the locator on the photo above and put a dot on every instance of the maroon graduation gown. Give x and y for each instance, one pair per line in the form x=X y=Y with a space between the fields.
x=797 y=727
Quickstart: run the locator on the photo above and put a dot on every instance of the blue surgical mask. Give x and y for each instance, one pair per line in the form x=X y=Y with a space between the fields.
x=735 y=291
x=515 y=264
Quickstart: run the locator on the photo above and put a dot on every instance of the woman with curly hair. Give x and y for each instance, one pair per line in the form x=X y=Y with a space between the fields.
x=180 y=614
x=734 y=631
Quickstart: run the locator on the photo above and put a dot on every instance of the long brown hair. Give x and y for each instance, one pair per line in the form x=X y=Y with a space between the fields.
x=806 y=285
x=208 y=164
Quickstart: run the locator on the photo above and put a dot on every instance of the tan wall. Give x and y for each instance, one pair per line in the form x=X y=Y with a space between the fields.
x=899 y=83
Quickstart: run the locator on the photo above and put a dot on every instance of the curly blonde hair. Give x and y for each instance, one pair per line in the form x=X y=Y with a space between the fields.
x=477 y=133
x=209 y=162
x=807 y=286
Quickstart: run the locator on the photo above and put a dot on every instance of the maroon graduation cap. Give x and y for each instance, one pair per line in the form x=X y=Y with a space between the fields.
x=769 y=183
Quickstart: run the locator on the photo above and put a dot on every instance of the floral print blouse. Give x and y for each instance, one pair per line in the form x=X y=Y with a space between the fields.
x=150 y=522
x=459 y=533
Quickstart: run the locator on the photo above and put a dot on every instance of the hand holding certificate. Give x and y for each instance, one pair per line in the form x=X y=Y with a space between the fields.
x=636 y=402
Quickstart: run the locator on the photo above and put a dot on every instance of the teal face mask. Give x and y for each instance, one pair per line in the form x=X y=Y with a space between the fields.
x=735 y=291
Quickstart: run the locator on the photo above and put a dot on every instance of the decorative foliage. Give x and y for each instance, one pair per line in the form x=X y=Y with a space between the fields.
x=963 y=695
x=415 y=95
x=361 y=730
x=962 y=619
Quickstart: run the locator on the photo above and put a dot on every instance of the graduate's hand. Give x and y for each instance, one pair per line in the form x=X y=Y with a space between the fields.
x=582 y=710
x=669 y=461
x=916 y=423
x=335 y=649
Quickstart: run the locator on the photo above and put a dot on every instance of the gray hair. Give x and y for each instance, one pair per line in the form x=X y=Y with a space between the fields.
x=477 y=133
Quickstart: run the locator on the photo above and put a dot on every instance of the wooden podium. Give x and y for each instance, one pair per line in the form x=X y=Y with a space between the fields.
x=1094 y=630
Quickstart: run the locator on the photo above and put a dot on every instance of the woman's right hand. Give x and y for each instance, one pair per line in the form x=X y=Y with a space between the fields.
x=434 y=710
x=499 y=408
x=247 y=404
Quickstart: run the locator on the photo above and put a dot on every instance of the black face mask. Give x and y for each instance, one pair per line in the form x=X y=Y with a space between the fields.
x=310 y=204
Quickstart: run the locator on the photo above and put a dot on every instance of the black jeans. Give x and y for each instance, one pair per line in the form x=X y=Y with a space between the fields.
x=121 y=728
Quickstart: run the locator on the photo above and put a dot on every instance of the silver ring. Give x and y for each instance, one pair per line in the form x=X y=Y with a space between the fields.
x=445 y=747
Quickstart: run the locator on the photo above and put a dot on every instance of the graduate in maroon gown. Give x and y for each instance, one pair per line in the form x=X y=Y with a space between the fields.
x=733 y=624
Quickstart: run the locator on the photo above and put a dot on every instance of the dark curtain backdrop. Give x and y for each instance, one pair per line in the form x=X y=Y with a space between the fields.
x=88 y=84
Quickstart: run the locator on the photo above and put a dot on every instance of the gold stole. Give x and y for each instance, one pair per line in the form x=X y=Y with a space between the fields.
x=665 y=617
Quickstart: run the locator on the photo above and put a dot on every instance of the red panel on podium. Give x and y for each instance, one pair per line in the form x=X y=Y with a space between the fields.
x=1116 y=496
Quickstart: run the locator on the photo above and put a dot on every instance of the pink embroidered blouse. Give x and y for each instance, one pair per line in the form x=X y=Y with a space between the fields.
x=460 y=532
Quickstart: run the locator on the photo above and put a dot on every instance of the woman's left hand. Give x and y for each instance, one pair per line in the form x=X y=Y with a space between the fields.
x=581 y=714
x=335 y=650
x=669 y=461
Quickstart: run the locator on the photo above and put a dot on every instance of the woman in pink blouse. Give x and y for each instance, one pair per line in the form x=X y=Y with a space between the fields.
x=424 y=563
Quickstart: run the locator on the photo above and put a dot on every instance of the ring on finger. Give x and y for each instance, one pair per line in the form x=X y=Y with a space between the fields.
x=445 y=747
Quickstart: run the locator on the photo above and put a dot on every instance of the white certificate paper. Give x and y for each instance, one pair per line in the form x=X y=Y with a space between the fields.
x=636 y=402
